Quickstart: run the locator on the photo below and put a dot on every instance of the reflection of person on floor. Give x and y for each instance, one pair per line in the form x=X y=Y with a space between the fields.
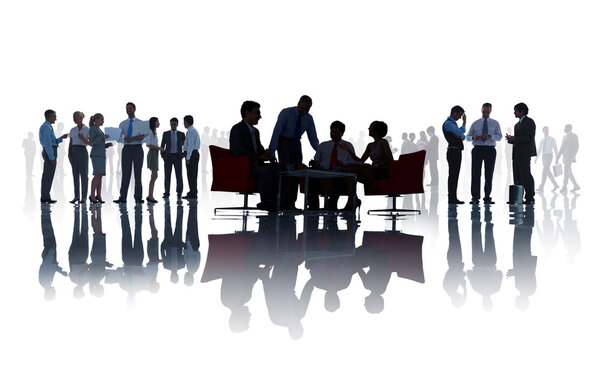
x=191 y=253
x=432 y=156
x=78 y=252
x=172 y=246
x=29 y=150
x=133 y=278
x=376 y=279
x=98 y=254
x=151 y=268
x=485 y=278
x=568 y=230
x=49 y=265
x=455 y=276
x=546 y=231
x=524 y=263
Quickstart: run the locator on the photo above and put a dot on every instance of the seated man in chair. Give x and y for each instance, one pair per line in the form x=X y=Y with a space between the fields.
x=331 y=157
x=244 y=140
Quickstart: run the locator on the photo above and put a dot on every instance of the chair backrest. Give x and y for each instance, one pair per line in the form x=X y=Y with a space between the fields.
x=408 y=169
x=230 y=173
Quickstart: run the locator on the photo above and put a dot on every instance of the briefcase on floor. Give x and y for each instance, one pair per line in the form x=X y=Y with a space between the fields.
x=515 y=194
x=557 y=170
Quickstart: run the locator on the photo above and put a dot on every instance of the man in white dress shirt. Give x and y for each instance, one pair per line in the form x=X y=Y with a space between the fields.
x=547 y=149
x=330 y=156
x=191 y=146
x=131 y=156
x=484 y=133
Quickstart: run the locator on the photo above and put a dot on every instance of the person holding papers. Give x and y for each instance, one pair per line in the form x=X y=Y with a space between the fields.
x=49 y=144
x=132 y=156
x=191 y=146
x=78 y=156
x=98 y=155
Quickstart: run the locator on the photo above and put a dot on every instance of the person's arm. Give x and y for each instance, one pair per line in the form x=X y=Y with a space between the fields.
x=365 y=155
x=69 y=151
x=316 y=161
x=497 y=132
x=311 y=132
x=470 y=136
x=163 y=143
x=453 y=128
x=281 y=121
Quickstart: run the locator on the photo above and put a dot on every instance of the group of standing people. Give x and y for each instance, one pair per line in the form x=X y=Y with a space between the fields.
x=174 y=147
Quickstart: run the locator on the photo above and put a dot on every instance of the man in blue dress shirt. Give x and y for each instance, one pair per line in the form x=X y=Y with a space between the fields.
x=49 y=144
x=454 y=136
x=291 y=124
x=484 y=133
x=132 y=156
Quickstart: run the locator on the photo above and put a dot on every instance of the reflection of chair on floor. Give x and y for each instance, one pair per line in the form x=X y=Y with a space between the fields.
x=232 y=174
x=406 y=177
x=404 y=253
x=227 y=254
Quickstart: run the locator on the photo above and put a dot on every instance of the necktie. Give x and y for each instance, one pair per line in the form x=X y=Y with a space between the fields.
x=173 y=141
x=484 y=131
x=333 y=159
x=253 y=137
x=130 y=129
x=298 y=132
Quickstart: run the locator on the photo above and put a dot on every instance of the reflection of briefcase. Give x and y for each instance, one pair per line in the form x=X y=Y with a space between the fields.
x=515 y=194
x=557 y=170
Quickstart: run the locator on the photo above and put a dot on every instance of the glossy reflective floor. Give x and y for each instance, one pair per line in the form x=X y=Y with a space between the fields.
x=174 y=292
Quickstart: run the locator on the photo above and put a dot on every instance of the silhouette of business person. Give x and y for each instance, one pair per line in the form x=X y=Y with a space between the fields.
x=49 y=144
x=455 y=277
x=455 y=137
x=132 y=156
x=547 y=149
x=523 y=142
x=568 y=150
x=49 y=266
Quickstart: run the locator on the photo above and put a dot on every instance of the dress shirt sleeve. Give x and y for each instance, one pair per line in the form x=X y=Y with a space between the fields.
x=123 y=127
x=186 y=144
x=319 y=155
x=281 y=122
x=46 y=141
x=311 y=131
x=471 y=132
x=554 y=147
x=497 y=134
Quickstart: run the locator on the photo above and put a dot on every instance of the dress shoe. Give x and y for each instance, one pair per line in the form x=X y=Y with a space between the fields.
x=165 y=195
x=488 y=200
x=118 y=201
x=151 y=200
x=99 y=200
x=139 y=201
x=474 y=202
x=455 y=201
x=576 y=188
x=189 y=197
x=529 y=201
x=74 y=201
x=47 y=201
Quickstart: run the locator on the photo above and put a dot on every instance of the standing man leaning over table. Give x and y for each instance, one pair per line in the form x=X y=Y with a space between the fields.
x=291 y=124
x=132 y=156
x=49 y=144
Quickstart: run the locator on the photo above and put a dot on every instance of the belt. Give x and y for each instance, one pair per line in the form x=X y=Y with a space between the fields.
x=77 y=146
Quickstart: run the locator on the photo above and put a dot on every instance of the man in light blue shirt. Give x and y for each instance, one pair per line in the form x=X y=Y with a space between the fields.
x=484 y=133
x=291 y=124
x=132 y=156
x=454 y=136
x=49 y=144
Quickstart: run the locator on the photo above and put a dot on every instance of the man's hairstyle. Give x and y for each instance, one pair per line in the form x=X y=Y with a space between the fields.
x=457 y=109
x=130 y=103
x=79 y=113
x=174 y=119
x=486 y=105
x=305 y=99
x=338 y=124
x=48 y=113
x=248 y=106
x=522 y=107
x=188 y=119
x=380 y=128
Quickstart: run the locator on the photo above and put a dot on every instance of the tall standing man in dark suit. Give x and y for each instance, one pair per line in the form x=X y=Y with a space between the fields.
x=172 y=154
x=49 y=144
x=523 y=143
x=131 y=157
x=244 y=140
x=291 y=124
x=455 y=137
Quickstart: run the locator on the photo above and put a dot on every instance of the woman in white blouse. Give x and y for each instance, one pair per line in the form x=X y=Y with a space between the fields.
x=152 y=157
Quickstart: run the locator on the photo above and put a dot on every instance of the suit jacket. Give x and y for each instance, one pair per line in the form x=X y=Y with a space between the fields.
x=240 y=143
x=166 y=143
x=524 y=143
